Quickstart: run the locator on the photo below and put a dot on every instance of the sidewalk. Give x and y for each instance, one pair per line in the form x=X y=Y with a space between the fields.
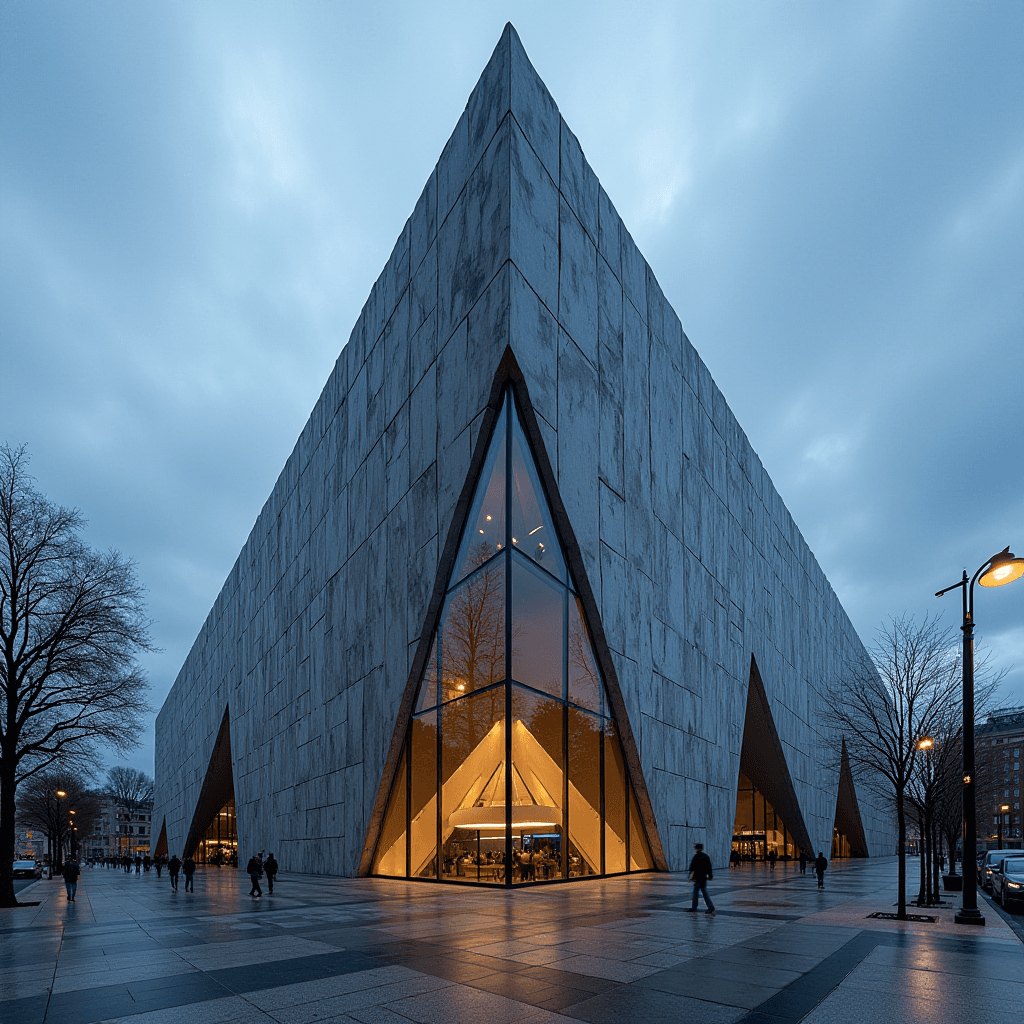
x=625 y=949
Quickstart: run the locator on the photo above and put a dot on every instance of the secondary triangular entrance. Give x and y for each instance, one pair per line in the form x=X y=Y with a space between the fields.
x=213 y=837
x=512 y=770
x=160 y=850
x=848 y=839
x=768 y=817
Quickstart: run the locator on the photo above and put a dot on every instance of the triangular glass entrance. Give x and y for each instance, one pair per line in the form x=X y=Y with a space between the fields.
x=768 y=818
x=848 y=838
x=213 y=836
x=511 y=679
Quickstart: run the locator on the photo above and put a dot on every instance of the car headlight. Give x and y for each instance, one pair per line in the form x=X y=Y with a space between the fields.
x=1015 y=885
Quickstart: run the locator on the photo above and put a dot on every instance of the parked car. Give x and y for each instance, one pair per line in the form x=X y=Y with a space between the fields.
x=987 y=865
x=1008 y=878
x=27 y=869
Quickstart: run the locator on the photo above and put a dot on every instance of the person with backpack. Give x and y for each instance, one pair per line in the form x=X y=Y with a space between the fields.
x=820 y=867
x=188 y=869
x=71 y=873
x=173 y=867
x=254 y=869
x=700 y=875
x=270 y=866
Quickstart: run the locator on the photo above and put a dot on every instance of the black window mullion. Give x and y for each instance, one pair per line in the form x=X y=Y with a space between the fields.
x=565 y=733
x=603 y=827
x=508 y=635
x=438 y=858
x=408 y=801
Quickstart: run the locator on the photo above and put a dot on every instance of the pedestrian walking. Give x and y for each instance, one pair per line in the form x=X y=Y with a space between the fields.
x=138 y=864
x=159 y=862
x=803 y=862
x=188 y=869
x=147 y=863
x=772 y=858
x=173 y=867
x=254 y=869
x=270 y=866
x=71 y=873
x=700 y=875
x=820 y=867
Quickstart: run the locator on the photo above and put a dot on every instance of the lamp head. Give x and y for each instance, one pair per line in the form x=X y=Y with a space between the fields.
x=1002 y=569
x=61 y=793
x=925 y=743
x=1004 y=807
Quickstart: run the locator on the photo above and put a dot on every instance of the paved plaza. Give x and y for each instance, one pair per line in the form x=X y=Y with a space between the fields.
x=619 y=949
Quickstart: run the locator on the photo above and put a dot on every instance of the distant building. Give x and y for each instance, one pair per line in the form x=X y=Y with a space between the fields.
x=29 y=843
x=1000 y=745
x=524 y=605
x=117 y=832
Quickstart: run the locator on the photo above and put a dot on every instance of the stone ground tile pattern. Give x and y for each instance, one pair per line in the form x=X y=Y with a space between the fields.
x=778 y=951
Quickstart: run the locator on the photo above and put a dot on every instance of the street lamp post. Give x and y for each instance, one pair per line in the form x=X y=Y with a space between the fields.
x=925 y=743
x=1003 y=808
x=999 y=570
x=56 y=853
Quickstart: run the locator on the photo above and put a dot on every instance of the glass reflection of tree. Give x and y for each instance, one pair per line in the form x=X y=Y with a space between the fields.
x=584 y=682
x=473 y=652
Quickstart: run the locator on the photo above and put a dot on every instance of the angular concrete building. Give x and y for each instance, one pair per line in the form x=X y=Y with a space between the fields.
x=523 y=604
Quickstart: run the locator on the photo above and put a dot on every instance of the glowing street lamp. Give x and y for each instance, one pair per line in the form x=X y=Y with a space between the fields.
x=999 y=570
x=1003 y=808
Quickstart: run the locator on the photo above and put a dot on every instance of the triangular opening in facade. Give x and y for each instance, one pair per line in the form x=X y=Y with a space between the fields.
x=512 y=770
x=768 y=818
x=160 y=850
x=213 y=836
x=848 y=839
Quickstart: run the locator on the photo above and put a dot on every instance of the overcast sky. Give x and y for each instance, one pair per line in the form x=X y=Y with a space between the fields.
x=197 y=197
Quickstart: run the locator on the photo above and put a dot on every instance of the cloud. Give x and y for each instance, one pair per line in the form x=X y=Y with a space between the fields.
x=196 y=200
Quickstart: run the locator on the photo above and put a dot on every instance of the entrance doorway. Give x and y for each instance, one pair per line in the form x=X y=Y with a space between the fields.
x=758 y=831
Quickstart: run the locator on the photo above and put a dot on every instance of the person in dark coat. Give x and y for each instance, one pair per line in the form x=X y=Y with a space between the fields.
x=772 y=858
x=820 y=867
x=71 y=873
x=271 y=867
x=254 y=869
x=159 y=862
x=173 y=867
x=803 y=862
x=700 y=875
x=188 y=869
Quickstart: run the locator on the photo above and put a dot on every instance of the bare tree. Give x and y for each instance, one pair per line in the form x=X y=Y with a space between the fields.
x=884 y=707
x=129 y=788
x=72 y=624
x=40 y=807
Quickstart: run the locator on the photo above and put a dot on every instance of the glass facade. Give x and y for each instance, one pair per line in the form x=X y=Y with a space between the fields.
x=220 y=844
x=758 y=829
x=512 y=771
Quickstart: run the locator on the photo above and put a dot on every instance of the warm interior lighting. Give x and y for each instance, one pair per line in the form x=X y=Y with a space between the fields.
x=1004 y=568
x=493 y=816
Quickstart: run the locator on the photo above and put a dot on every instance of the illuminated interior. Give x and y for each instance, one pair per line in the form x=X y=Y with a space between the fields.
x=512 y=771
x=220 y=844
x=758 y=829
